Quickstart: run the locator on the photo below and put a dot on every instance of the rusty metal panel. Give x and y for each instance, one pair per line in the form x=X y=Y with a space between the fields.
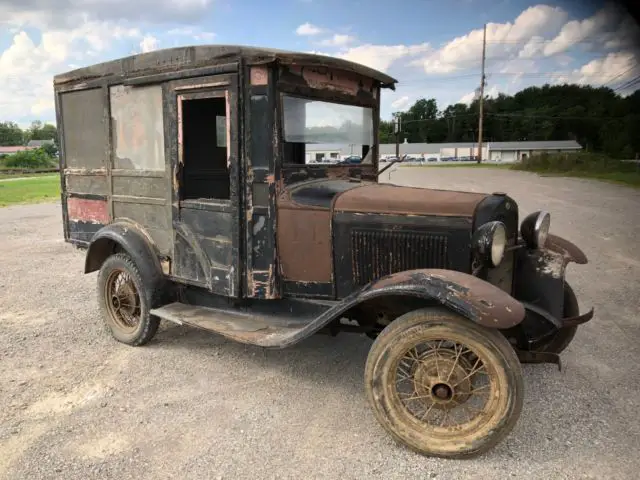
x=213 y=233
x=304 y=244
x=93 y=184
x=152 y=218
x=137 y=127
x=259 y=75
x=470 y=296
x=392 y=199
x=260 y=193
x=85 y=139
x=141 y=187
x=88 y=210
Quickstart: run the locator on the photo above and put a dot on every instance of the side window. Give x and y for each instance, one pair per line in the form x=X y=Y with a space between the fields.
x=205 y=147
x=137 y=127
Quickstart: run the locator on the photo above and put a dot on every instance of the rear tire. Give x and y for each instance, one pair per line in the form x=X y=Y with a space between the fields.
x=125 y=301
x=444 y=381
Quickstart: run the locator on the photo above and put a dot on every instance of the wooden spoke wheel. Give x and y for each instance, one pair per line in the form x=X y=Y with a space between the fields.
x=443 y=385
x=124 y=302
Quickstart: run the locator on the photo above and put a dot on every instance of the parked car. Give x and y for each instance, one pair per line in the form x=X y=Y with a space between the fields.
x=238 y=236
x=351 y=160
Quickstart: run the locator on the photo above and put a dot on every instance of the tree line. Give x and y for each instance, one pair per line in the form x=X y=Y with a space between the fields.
x=12 y=135
x=596 y=117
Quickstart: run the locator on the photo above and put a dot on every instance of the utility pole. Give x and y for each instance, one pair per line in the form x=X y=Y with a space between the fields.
x=482 y=81
x=397 y=126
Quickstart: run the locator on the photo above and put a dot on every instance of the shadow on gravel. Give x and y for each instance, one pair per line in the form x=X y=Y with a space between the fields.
x=559 y=416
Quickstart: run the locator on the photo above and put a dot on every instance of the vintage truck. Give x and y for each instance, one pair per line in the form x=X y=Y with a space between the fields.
x=183 y=176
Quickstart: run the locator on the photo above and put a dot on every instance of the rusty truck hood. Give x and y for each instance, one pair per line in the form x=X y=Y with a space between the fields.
x=399 y=200
x=384 y=198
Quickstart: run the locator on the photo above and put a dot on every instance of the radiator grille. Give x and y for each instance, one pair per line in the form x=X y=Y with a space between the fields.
x=375 y=254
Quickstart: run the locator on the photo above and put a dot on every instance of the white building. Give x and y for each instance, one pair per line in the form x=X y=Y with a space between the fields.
x=468 y=151
x=461 y=151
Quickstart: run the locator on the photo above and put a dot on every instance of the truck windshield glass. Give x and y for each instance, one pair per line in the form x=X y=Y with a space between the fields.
x=323 y=132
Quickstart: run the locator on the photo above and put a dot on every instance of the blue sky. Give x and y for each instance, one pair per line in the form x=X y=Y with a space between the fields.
x=432 y=47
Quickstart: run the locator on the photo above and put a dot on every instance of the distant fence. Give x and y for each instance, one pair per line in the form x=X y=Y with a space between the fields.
x=23 y=171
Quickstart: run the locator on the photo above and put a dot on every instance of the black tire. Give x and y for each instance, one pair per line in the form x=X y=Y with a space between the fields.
x=504 y=375
x=146 y=325
x=563 y=337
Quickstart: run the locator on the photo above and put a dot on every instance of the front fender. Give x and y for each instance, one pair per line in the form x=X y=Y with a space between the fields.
x=569 y=251
x=470 y=296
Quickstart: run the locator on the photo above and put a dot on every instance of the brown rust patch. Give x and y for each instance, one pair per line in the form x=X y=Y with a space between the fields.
x=486 y=303
x=568 y=250
x=304 y=244
x=259 y=75
x=86 y=210
x=324 y=78
x=392 y=199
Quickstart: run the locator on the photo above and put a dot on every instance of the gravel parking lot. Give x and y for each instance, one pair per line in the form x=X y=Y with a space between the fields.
x=75 y=404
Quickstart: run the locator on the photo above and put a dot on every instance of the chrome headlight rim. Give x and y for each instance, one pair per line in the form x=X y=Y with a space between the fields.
x=534 y=229
x=498 y=244
x=490 y=243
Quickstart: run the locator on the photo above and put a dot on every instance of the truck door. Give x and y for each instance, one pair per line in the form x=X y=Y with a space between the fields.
x=206 y=173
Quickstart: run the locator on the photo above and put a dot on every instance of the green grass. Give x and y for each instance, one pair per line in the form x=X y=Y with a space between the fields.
x=621 y=178
x=583 y=165
x=22 y=175
x=30 y=190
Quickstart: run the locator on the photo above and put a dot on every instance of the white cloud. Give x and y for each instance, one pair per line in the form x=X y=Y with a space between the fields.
x=338 y=40
x=194 y=33
x=401 y=103
x=69 y=13
x=503 y=39
x=381 y=57
x=468 y=98
x=148 y=43
x=492 y=92
x=307 y=29
x=27 y=68
x=614 y=67
x=577 y=31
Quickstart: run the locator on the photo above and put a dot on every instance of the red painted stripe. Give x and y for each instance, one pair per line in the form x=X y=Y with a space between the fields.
x=88 y=210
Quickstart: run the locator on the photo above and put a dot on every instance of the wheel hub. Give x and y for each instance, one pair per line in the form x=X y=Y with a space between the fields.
x=442 y=377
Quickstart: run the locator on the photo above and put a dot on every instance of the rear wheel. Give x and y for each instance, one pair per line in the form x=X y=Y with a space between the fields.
x=443 y=385
x=124 y=301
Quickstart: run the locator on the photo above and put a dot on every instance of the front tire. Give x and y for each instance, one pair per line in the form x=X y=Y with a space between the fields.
x=125 y=301
x=427 y=367
x=563 y=337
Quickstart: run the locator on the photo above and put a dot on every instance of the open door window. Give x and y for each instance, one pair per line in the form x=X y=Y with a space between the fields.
x=206 y=216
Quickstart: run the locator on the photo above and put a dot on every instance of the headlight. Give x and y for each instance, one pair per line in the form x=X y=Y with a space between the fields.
x=535 y=229
x=489 y=243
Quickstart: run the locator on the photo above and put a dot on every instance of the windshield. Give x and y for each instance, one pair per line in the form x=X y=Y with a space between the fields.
x=323 y=132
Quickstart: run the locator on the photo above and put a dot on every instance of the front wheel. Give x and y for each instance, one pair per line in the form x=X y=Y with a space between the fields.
x=443 y=385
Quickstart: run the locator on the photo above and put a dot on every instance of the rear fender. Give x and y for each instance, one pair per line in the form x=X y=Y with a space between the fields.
x=130 y=238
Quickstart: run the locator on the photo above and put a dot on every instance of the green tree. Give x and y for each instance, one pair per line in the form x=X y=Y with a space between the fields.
x=11 y=134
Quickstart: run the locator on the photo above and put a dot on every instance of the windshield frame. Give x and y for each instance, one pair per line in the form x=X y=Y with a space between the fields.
x=329 y=96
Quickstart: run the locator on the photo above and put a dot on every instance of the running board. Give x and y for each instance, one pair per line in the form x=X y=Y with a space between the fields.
x=262 y=329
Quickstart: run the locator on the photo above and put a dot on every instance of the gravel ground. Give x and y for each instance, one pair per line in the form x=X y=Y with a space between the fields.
x=75 y=404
